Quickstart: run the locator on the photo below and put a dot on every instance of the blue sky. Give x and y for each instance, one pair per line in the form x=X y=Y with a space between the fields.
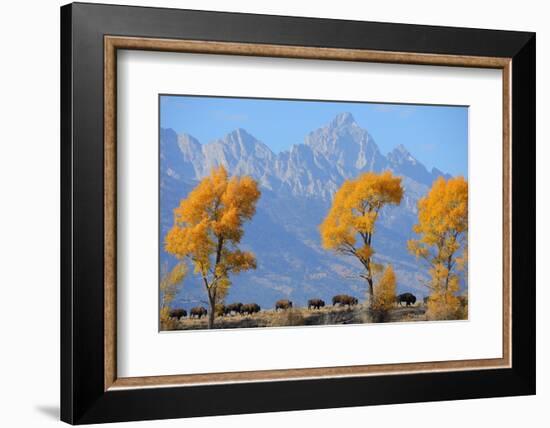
x=436 y=135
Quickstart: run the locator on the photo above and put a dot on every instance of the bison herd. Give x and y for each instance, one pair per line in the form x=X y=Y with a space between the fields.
x=238 y=308
x=196 y=312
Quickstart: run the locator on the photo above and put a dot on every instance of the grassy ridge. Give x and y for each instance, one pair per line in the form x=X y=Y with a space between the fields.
x=330 y=315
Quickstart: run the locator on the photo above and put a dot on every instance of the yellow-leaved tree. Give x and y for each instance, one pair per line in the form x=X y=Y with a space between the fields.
x=349 y=226
x=384 y=291
x=443 y=231
x=169 y=285
x=207 y=230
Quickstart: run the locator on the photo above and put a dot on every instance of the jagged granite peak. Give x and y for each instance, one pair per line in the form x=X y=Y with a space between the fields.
x=343 y=119
x=189 y=146
x=242 y=154
x=180 y=155
x=350 y=147
x=306 y=172
x=402 y=162
x=241 y=137
x=243 y=143
x=400 y=155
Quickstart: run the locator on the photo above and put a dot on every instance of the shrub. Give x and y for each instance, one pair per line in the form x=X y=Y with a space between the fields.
x=167 y=323
x=444 y=306
x=289 y=317
x=384 y=296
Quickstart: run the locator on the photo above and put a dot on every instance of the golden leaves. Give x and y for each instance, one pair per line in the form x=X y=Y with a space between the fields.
x=242 y=194
x=174 y=277
x=169 y=286
x=238 y=261
x=355 y=210
x=444 y=306
x=365 y=252
x=442 y=220
x=365 y=223
x=444 y=211
x=215 y=210
x=373 y=190
x=384 y=292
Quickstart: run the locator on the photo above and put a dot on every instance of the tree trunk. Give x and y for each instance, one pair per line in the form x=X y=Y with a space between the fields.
x=369 y=279
x=212 y=311
x=371 y=292
x=449 y=261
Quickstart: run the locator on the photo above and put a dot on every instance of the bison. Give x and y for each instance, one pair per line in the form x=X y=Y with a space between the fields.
x=408 y=298
x=283 y=304
x=178 y=313
x=250 y=308
x=233 y=307
x=315 y=303
x=344 y=300
x=426 y=300
x=198 y=311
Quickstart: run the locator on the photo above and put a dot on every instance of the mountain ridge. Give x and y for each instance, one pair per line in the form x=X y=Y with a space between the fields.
x=339 y=150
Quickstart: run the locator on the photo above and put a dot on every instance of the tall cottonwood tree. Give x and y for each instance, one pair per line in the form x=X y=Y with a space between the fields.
x=350 y=224
x=443 y=229
x=208 y=228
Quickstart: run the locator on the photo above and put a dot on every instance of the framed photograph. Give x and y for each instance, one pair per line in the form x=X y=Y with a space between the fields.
x=266 y=213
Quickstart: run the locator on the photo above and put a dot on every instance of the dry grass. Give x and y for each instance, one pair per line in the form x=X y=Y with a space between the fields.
x=329 y=315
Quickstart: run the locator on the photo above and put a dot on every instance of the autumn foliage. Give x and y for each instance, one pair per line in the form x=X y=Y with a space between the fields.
x=350 y=224
x=169 y=285
x=384 y=290
x=208 y=228
x=442 y=229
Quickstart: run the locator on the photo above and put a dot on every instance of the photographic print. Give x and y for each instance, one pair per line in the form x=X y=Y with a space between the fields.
x=279 y=213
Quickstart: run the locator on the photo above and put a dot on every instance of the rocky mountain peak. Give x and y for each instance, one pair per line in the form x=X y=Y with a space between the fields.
x=348 y=146
x=239 y=138
x=342 y=120
x=401 y=149
x=239 y=134
x=187 y=142
x=403 y=163
x=401 y=155
x=238 y=144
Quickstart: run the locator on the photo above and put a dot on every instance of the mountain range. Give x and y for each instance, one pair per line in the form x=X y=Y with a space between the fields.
x=297 y=188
